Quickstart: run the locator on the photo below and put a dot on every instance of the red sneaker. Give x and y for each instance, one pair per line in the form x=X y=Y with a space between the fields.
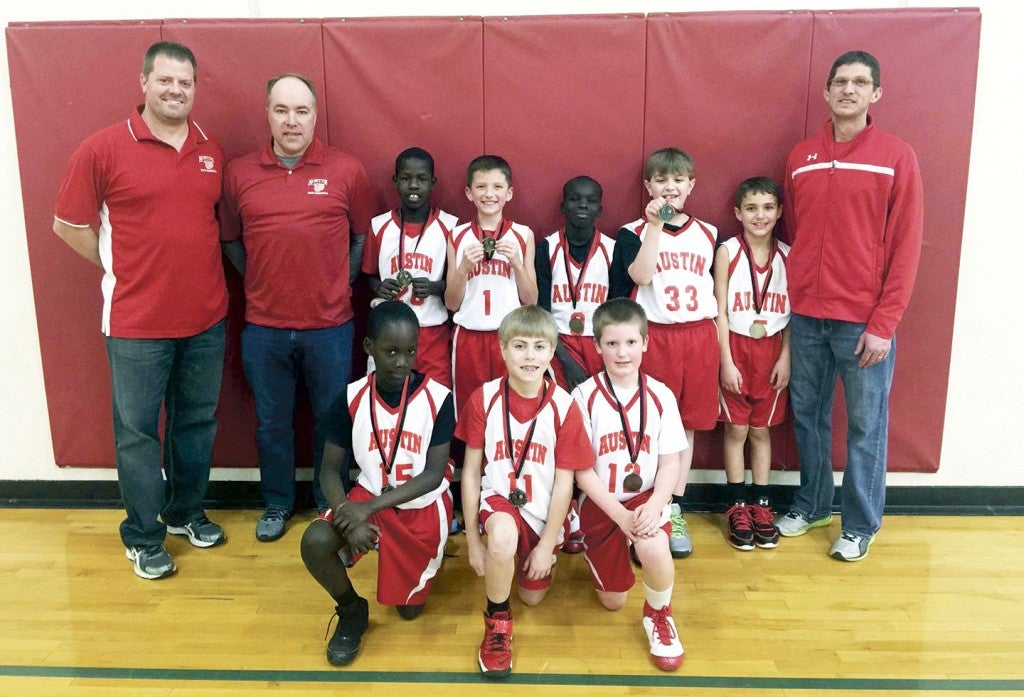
x=741 y=527
x=495 y=655
x=766 y=534
x=574 y=543
x=666 y=651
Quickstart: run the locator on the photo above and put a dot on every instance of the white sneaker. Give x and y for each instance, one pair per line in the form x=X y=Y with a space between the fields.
x=850 y=547
x=795 y=524
x=666 y=650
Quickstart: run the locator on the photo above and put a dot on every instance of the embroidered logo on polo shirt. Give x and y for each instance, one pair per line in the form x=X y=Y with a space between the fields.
x=317 y=187
x=208 y=164
x=812 y=157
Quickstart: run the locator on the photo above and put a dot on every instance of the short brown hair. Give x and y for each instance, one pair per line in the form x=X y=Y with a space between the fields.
x=668 y=161
x=619 y=311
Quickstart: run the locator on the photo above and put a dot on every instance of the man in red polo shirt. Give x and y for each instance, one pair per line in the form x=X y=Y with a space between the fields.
x=138 y=200
x=294 y=217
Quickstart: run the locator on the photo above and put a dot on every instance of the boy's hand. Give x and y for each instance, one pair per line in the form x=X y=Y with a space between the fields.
x=508 y=247
x=473 y=255
x=422 y=287
x=651 y=212
x=389 y=289
x=780 y=373
x=729 y=376
x=362 y=538
x=350 y=516
x=647 y=519
x=476 y=553
x=626 y=521
x=538 y=564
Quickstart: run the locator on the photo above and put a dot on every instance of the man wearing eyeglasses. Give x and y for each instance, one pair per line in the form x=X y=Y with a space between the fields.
x=855 y=214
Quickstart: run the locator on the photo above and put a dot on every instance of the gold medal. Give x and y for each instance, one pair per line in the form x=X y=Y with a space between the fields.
x=517 y=498
x=666 y=212
x=404 y=278
x=576 y=323
x=757 y=330
x=632 y=482
x=488 y=245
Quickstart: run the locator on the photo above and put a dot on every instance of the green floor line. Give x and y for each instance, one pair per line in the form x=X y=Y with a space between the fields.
x=347 y=676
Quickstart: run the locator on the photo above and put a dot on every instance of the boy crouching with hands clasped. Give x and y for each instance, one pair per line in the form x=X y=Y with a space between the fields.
x=524 y=438
x=638 y=439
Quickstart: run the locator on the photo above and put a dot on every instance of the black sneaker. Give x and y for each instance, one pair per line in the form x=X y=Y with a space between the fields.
x=151 y=561
x=271 y=525
x=201 y=532
x=741 y=527
x=352 y=623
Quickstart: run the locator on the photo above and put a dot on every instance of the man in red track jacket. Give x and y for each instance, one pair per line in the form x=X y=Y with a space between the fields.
x=854 y=205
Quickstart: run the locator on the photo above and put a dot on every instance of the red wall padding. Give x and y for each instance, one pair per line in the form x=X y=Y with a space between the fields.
x=557 y=96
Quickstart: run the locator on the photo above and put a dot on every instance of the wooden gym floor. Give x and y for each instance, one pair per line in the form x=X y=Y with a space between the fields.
x=937 y=608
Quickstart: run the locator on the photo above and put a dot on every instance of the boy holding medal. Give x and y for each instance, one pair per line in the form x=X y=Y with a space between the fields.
x=490 y=273
x=753 y=333
x=572 y=266
x=524 y=438
x=638 y=439
x=668 y=256
x=398 y=424
x=405 y=258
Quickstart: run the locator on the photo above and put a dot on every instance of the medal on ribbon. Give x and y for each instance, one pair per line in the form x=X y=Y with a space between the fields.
x=666 y=212
x=632 y=482
x=387 y=459
x=517 y=497
x=758 y=328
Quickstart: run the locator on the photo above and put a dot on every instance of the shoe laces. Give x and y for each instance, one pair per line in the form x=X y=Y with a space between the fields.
x=275 y=513
x=762 y=516
x=330 y=622
x=678 y=525
x=663 y=629
x=850 y=537
x=497 y=641
x=739 y=517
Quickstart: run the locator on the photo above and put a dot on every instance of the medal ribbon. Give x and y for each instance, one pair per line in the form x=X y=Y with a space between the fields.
x=389 y=458
x=633 y=448
x=401 y=235
x=503 y=227
x=574 y=288
x=519 y=461
x=759 y=295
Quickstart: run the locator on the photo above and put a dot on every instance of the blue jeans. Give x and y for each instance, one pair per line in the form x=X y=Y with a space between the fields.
x=184 y=376
x=274 y=360
x=821 y=349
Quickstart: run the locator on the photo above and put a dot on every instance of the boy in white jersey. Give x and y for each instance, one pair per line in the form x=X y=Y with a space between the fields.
x=638 y=440
x=572 y=267
x=524 y=438
x=753 y=333
x=398 y=424
x=405 y=259
x=668 y=254
x=490 y=273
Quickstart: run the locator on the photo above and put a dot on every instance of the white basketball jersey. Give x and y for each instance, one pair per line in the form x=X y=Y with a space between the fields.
x=424 y=254
x=589 y=292
x=775 y=309
x=491 y=290
x=537 y=478
x=413 y=442
x=683 y=287
x=663 y=431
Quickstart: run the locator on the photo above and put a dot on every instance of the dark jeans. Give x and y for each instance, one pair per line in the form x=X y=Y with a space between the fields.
x=274 y=360
x=184 y=376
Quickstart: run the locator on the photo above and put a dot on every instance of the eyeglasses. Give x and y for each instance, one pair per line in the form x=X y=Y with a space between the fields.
x=858 y=82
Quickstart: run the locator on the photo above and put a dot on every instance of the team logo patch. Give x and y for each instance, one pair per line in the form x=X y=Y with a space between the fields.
x=207 y=163
x=317 y=187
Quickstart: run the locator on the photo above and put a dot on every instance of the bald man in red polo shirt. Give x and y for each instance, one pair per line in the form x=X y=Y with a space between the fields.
x=152 y=182
x=294 y=217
